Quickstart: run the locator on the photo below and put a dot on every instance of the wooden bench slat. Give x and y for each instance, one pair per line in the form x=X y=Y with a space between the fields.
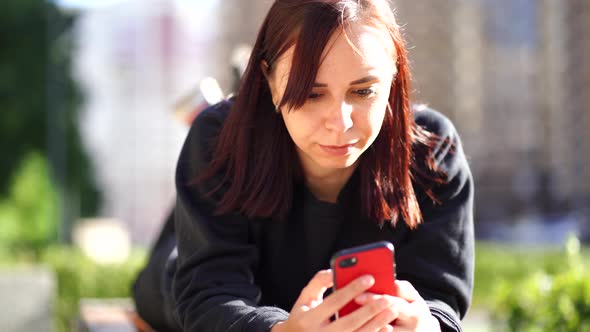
x=110 y=315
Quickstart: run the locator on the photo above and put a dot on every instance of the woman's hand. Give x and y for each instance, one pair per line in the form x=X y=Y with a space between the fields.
x=312 y=313
x=410 y=310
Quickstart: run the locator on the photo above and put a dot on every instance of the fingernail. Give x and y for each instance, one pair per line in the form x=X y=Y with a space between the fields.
x=362 y=298
x=384 y=302
x=368 y=280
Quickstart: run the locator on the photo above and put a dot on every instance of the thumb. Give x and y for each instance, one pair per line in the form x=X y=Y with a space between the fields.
x=313 y=293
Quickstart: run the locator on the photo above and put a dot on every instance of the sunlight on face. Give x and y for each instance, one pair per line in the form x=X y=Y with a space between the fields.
x=346 y=107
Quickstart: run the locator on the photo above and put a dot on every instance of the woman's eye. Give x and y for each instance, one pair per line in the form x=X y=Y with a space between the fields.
x=314 y=95
x=365 y=92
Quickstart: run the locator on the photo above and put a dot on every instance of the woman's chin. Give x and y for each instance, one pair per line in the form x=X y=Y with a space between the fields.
x=339 y=163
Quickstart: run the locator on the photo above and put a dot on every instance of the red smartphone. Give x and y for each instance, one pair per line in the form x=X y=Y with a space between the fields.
x=376 y=259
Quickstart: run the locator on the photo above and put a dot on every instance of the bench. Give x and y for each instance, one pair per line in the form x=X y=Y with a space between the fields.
x=110 y=315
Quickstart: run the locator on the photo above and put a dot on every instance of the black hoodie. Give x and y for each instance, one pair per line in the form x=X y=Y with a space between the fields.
x=235 y=274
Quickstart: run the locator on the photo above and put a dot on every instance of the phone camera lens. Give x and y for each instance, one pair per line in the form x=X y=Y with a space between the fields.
x=348 y=262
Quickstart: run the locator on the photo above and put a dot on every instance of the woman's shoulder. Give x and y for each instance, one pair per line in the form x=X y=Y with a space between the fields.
x=200 y=141
x=207 y=125
x=213 y=117
x=444 y=148
x=434 y=121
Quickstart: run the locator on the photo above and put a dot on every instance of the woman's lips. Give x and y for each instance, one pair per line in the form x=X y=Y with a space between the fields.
x=335 y=150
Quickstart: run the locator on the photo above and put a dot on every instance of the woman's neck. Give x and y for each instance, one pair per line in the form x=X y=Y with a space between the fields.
x=327 y=186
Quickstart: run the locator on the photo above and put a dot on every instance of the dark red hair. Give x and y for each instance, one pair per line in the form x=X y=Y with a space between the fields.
x=254 y=149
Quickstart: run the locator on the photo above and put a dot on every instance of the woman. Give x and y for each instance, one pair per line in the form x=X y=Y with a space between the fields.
x=321 y=151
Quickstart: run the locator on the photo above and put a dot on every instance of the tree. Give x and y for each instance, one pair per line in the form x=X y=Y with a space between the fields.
x=40 y=103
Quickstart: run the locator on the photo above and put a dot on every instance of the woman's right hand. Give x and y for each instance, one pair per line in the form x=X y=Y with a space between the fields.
x=312 y=313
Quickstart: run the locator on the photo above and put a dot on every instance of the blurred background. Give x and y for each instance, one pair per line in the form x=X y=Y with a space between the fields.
x=93 y=97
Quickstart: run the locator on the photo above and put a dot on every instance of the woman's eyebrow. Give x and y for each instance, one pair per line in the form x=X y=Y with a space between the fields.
x=364 y=80
x=355 y=82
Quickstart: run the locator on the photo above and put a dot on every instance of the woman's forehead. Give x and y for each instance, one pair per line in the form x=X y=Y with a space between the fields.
x=370 y=43
x=359 y=46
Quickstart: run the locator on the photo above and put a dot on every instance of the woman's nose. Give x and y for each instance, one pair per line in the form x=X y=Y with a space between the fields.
x=340 y=117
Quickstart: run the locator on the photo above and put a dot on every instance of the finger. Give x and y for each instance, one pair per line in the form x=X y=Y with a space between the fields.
x=397 y=304
x=409 y=314
x=387 y=328
x=406 y=291
x=364 y=316
x=422 y=321
x=315 y=289
x=365 y=297
x=418 y=306
x=379 y=322
x=402 y=329
x=342 y=296
x=402 y=310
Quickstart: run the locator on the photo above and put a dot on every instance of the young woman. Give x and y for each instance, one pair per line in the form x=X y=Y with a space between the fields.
x=321 y=151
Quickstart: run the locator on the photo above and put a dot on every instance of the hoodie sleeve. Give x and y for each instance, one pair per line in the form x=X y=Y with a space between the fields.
x=213 y=288
x=438 y=257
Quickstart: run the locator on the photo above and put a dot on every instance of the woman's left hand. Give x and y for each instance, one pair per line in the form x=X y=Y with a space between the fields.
x=411 y=311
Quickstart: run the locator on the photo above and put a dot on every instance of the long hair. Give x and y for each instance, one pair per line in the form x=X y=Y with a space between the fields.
x=254 y=150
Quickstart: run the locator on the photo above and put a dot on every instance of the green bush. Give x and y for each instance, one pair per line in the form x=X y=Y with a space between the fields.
x=496 y=263
x=29 y=215
x=78 y=276
x=518 y=284
x=554 y=298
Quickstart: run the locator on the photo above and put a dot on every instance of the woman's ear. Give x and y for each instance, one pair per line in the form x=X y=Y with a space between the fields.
x=264 y=68
x=269 y=81
x=266 y=73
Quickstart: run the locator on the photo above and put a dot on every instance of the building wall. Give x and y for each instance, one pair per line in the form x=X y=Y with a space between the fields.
x=135 y=59
x=513 y=75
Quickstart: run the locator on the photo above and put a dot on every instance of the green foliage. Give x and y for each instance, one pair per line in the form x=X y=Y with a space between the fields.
x=29 y=216
x=554 y=298
x=80 y=277
x=39 y=101
x=496 y=263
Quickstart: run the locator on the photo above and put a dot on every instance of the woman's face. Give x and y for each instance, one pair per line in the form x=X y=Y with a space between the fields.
x=345 y=110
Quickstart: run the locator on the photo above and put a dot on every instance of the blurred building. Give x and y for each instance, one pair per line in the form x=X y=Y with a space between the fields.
x=513 y=75
x=135 y=59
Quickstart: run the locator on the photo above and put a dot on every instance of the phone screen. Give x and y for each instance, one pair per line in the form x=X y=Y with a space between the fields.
x=376 y=259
